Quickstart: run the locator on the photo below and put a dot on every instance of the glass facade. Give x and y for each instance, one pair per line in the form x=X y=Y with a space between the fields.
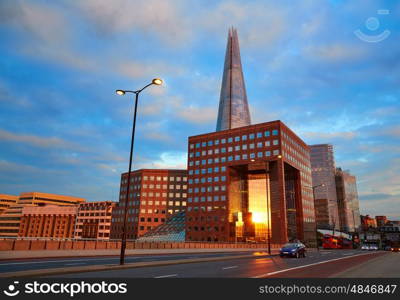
x=235 y=186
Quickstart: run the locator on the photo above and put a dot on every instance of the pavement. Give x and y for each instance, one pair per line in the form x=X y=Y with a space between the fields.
x=40 y=254
x=385 y=266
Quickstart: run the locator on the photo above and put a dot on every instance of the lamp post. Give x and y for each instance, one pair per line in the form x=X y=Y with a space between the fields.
x=155 y=81
x=316 y=229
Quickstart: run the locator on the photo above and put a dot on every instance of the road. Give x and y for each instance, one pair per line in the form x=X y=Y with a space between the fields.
x=35 y=264
x=317 y=264
x=387 y=266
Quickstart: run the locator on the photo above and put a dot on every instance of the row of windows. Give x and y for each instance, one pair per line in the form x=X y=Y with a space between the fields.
x=151 y=194
x=210 y=188
x=142 y=219
x=235 y=148
x=207 y=218
x=208 y=228
x=95 y=214
x=157 y=178
x=210 y=179
x=208 y=170
x=244 y=137
x=206 y=208
x=209 y=198
x=231 y=158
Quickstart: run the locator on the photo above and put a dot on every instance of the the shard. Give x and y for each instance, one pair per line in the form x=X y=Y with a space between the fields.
x=233 y=108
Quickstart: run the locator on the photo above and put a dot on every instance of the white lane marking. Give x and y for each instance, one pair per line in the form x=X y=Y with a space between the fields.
x=165 y=276
x=309 y=265
x=231 y=267
x=74 y=264
x=345 y=254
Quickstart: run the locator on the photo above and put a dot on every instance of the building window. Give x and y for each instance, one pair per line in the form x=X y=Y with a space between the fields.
x=259 y=135
x=251 y=136
x=244 y=137
x=267 y=153
x=237 y=138
x=267 y=133
x=230 y=140
x=237 y=157
x=276 y=152
x=259 y=154
x=275 y=132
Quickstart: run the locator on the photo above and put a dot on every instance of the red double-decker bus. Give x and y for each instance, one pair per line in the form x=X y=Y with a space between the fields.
x=336 y=242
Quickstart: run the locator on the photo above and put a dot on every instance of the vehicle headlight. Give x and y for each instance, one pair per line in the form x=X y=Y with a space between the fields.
x=293 y=250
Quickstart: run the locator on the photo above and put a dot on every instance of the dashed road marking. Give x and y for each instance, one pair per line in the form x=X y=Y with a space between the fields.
x=231 y=267
x=165 y=276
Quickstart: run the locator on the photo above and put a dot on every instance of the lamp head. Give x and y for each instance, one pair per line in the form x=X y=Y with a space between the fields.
x=157 y=81
x=120 y=92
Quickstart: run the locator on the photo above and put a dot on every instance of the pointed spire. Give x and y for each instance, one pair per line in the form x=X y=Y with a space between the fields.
x=233 y=108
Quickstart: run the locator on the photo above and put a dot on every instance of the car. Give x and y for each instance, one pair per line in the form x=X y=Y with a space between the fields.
x=293 y=250
x=395 y=249
x=365 y=247
x=373 y=248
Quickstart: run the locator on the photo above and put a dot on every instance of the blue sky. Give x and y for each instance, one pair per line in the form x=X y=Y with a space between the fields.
x=63 y=130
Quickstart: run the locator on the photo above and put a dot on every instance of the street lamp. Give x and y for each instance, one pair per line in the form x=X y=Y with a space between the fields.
x=155 y=81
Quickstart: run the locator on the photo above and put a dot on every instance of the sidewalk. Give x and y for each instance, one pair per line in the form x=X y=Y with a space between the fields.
x=7 y=255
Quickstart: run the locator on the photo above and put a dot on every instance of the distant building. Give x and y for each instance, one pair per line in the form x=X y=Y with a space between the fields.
x=323 y=174
x=381 y=220
x=94 y=220
x=348 y=204
x=10 y=219
x=154 y=196
x=367 y=222
x=6 y=201
x=48 y=221
x=229 y=187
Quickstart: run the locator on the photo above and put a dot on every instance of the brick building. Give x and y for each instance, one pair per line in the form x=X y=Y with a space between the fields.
x=94 y=220
x=6 y=201
x=381 y=221
x=10 y=219
x=233 y=175
x=48 y=221
x=154 y=196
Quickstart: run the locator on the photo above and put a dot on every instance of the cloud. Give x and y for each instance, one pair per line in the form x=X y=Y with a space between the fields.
x=135 y=70
x=335 y=52
x=37 y=141
x=166 y=160
x=349 y=135
x=163 y=19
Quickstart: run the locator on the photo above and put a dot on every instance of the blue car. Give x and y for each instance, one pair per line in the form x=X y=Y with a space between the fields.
x=293 y=250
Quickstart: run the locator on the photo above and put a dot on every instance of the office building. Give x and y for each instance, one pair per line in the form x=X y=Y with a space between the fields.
x=6 y=201
x=233 y=109
x=10 y=219
x=94 y=220
x=48 y=221
x=248 y=181
x=348 y=203
x=323 y=177
x=154 y=196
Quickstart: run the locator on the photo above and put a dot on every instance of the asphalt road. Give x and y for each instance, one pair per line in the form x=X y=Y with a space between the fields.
x=37 y=264
x=317 y=264
x=387 y=266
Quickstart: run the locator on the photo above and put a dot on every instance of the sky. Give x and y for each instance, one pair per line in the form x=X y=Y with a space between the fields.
x=64 y=130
